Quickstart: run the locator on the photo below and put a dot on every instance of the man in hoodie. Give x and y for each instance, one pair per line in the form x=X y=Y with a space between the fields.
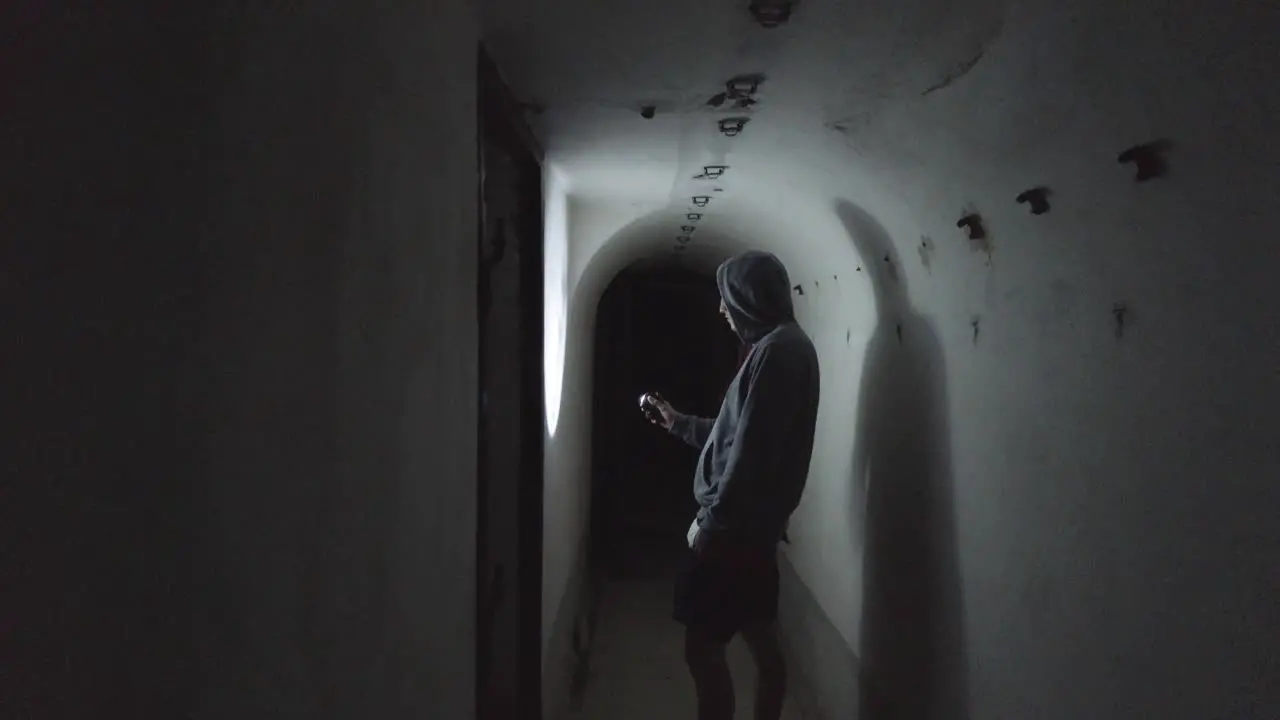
x=750 y=475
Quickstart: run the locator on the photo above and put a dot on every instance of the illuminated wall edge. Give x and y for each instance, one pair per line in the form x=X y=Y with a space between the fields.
x=555 y=291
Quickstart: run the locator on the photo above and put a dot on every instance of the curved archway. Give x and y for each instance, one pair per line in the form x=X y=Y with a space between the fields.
x=836 y=303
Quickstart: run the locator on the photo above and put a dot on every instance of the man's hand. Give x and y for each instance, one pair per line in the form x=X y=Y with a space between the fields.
x=666 y=416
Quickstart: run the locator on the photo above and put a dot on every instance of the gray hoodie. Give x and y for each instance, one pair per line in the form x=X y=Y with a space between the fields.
x=755 y=453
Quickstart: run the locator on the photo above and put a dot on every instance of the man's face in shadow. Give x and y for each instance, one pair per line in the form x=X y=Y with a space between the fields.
x=724 y=310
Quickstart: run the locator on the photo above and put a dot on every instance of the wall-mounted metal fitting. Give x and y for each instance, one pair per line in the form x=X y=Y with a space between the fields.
x=682 y=239
x=1149 y=159
x=1038 y=198
x=743 y=86
x=695 y=217
x=647 y=112
x=701 y=200
x=732 y=126
x=771 y=13
x=687 y=228
x=972 y=225
x=711 y=172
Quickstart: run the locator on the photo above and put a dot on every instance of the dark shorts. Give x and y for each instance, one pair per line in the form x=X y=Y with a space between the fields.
x=719 y=597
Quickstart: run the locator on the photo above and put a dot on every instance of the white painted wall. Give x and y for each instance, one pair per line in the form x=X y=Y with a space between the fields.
x=239 y=402
x=1101 y=521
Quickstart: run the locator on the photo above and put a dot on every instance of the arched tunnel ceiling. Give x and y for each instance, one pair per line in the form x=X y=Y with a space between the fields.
x=832 y=79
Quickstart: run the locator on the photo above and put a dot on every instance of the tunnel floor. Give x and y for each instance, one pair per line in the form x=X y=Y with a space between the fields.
x=637 y=667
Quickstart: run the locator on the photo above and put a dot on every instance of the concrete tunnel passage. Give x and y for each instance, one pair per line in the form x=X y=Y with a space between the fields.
x=992 y=509
x=657 y=327
x=628 y=590
x=242 y=362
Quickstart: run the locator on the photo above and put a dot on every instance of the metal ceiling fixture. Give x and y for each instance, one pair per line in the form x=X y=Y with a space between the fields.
x=771 y=13
x=972 y=224
x=688 y=228
x=711 y=172
x=732 y=126
x=701 y=200
x=1038 y=197
x=743 y=86
x=694 y=216
x=741 y=90
x=1149 y=158
x=683 y=239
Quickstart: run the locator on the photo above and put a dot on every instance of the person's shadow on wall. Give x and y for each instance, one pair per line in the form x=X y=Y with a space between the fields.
x=912 y=649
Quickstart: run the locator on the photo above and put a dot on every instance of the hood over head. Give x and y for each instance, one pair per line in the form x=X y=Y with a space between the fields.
x=756 y=291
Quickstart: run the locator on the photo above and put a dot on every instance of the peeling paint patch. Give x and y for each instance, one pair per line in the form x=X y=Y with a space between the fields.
x=957 y=72
x=977 y=231
x=1119 y=312
x=926 y=250
x=982 y=245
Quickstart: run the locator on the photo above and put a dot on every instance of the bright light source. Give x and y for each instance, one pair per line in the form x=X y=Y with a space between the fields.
x=555 y=292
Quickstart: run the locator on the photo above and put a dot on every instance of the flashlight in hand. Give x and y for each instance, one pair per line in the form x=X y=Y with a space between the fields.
x=649 y=406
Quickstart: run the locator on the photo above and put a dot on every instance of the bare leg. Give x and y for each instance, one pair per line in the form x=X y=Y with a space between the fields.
x=710 y=670
x=771 y=670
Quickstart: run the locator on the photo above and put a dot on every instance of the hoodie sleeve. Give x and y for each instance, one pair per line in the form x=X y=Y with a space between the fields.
x=768 y=407
x=693 y=430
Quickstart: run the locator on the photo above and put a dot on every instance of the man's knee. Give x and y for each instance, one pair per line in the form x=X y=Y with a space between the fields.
x=766 y=649
x=702 y=652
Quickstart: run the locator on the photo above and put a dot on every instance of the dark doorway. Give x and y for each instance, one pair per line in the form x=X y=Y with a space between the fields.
x=656 y=330
x=510 y=440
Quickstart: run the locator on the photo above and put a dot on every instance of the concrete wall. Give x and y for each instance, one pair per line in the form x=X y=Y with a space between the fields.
x=1053 y=516
x=1056 y=521
x=240 y=396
